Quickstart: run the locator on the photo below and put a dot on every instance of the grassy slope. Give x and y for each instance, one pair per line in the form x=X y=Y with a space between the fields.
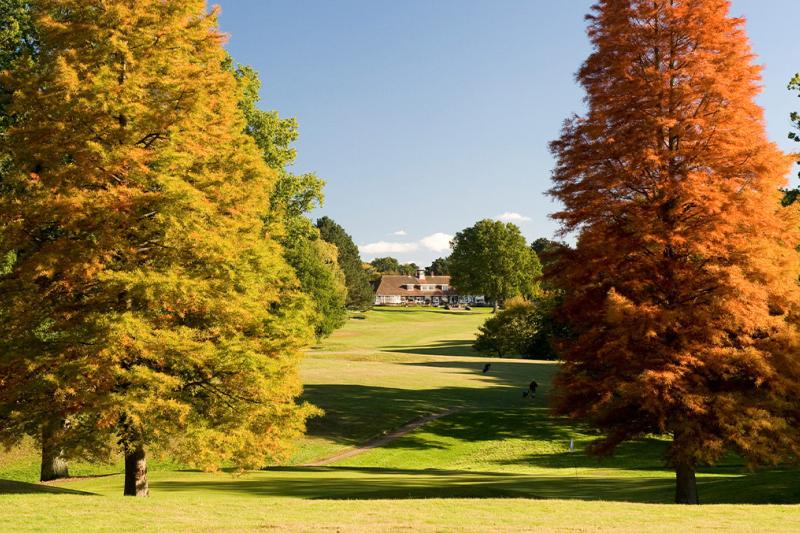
x=377 y=374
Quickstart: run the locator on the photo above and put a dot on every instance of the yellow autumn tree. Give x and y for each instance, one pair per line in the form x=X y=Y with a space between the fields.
x=142 y=299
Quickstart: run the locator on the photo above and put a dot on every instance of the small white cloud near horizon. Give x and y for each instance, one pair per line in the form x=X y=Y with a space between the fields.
x=438 y=242
x=513 y=217
x=399 y=233
x=383 y=247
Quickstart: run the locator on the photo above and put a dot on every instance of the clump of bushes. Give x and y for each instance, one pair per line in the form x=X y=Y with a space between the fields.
x=523 y=327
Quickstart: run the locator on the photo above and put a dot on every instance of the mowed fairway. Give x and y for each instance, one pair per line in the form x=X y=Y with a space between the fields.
x=497 y=462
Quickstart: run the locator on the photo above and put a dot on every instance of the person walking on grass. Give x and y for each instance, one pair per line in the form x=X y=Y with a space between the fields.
x=531 y=392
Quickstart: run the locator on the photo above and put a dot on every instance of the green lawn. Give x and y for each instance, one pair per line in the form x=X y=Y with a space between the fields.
x=500 y=462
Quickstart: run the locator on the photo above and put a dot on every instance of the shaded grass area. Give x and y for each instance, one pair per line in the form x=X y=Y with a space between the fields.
x=18 y=487
x=377 y=374
x=375 y=483
x=355 y=410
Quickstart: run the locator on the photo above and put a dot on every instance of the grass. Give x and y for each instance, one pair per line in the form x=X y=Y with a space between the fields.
x=501 y=462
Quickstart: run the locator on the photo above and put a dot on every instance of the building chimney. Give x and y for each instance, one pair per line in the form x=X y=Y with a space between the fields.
x=420 y=273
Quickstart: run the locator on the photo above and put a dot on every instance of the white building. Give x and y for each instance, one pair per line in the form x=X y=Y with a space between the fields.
x=420 y=290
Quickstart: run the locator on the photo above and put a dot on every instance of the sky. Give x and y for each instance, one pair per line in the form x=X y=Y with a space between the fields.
x=425 y=116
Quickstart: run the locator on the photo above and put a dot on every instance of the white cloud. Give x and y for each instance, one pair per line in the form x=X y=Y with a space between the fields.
x=438 y=242
x=400 y=233
x=513 y=217
x=383 y=247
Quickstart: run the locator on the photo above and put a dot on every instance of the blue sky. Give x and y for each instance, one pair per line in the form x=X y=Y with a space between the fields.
x=425 y=116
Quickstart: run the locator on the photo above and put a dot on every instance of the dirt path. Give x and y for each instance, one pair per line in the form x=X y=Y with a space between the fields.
x=385 y=439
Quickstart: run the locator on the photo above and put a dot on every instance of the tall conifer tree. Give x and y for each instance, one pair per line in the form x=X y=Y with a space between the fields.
x=682 y=285
x=359 y=291
x=141 y=295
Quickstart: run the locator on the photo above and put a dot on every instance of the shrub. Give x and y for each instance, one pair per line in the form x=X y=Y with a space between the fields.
x=523 y=327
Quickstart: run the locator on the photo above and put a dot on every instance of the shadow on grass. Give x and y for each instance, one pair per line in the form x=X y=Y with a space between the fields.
x=506 y=373
x=424 y=309
x=461 y=348
x=446 y=347
x=355 y=413
x=381 y=483
x=18 y=487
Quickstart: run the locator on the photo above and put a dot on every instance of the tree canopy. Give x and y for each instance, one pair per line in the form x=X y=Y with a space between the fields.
x=682 y=286
x=492 y=258
x=359 y=291
x=439 y=267
x=385 y=265
x=293 y=197
x=143 y=298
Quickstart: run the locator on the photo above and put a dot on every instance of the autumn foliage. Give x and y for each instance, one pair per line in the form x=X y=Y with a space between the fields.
x=683 y=284
x=142 y=298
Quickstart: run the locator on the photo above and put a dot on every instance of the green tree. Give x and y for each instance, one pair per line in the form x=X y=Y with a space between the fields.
x=385 y=265
x=794 y=85
x=551 y=254
x=510 y=331
x=523 y=327
x=408 y=269
x=144 y=300
x=492 y=258
x=359 y=291
x=316 y=265
x=791 y=195
x=439 y=267
x=293 y=197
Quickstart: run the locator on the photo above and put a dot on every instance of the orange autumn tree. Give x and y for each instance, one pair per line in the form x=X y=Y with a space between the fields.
x=143 y=301
x=682 y=284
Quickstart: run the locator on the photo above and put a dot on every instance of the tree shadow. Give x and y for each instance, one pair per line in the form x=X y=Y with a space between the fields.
x=8 y=486
x=427 y=309
x=504 y=372
x=461 y=348
x=355 y=413
x=381 y=483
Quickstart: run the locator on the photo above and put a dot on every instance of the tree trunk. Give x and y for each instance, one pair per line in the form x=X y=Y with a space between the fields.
x=54 y=462
x=136 y=471
x=496 y=306
x=685 y=484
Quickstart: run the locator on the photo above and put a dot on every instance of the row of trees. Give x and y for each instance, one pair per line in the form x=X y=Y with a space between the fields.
x=158 y=275
x=389 y=265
